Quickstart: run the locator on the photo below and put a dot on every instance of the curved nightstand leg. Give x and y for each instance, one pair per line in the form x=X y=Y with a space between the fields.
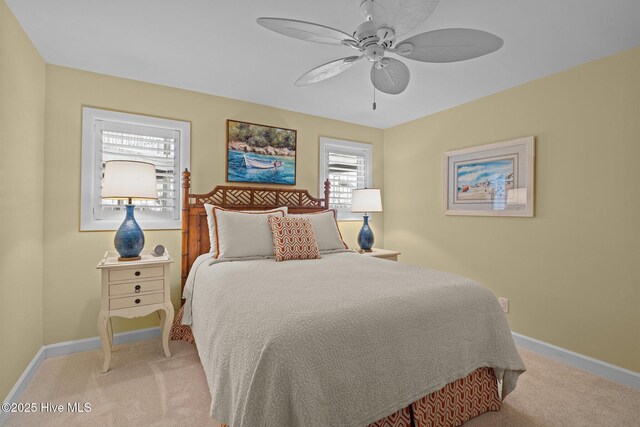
x=110 y=331
x=103 y=326
x=166 y=319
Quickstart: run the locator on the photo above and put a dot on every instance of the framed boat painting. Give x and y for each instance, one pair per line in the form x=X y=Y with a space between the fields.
x=490 y=180
x=260 y=154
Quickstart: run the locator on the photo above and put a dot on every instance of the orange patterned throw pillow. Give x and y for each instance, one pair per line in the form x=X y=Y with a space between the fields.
x=293 y=238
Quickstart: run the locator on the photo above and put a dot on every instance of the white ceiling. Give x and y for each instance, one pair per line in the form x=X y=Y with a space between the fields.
x=216 y=47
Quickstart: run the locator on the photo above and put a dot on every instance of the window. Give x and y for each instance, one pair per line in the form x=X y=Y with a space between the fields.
x=347 y=165
x=110 y=135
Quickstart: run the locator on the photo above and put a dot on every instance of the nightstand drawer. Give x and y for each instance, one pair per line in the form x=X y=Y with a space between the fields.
x=118 y=303
x=135 y=273
x=136 y=287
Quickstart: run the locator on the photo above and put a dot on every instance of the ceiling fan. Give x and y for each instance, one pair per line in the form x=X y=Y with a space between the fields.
x=374 y=38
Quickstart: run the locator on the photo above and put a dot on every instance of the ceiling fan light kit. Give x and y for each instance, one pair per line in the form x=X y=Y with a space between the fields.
x=385 y=20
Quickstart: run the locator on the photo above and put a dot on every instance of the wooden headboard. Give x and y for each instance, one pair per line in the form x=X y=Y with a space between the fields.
x=195 y=231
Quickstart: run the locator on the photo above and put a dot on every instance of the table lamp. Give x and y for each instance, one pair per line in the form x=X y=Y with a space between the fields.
x=366 y=200
x=128 y=179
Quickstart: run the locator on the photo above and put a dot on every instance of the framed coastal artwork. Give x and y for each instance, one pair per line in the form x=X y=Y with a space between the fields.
x=490 y=180
x=260 y=154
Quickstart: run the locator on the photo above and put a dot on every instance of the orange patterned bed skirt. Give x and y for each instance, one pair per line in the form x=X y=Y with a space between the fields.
x=180 y=332
x=453 y=405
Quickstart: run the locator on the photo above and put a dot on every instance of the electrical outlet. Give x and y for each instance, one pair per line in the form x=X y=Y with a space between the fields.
x=504 y=303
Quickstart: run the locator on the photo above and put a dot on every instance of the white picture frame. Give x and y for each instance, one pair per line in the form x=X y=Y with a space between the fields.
x=491 y=180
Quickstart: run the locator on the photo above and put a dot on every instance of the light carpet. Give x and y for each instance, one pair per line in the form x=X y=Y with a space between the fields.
x=143 y=388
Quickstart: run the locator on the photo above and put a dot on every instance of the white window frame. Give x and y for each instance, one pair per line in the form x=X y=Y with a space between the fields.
x=326 y=144
x=90 y=118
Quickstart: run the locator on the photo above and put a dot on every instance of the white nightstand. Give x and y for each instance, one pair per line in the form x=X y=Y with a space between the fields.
x=383 y=253
x=134 y=289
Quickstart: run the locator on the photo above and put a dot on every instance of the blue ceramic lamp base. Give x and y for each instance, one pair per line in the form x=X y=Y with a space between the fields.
x=129 y=239
x=365 y=236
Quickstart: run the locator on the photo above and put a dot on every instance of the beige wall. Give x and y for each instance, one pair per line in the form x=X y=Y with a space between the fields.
x=22 y=93
x=572 y=273
x=71 y=286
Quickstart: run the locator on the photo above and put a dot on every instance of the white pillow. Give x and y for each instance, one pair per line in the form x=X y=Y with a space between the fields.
x=243 y=234
x=212 y=230
x=325 y=227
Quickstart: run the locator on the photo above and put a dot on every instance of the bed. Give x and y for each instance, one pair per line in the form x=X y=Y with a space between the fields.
x=341 y=340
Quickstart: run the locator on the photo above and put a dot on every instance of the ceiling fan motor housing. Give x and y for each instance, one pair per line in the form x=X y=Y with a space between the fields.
x=366 y=33
x=370 y=32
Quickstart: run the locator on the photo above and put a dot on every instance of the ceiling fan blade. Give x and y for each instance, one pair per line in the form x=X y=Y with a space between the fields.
x=308 y=31
x=401 y=15
x=391 y=78
x=448 y=45
x=327 y=70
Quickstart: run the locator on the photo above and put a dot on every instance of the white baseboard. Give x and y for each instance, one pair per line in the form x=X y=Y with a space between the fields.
x=580 y=361
x=70 y=347
x=23 y=381
x=87 y=344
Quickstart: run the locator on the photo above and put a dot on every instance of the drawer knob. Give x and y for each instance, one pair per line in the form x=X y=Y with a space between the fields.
x=137 y=273
x=137 y=288
x=137 y=301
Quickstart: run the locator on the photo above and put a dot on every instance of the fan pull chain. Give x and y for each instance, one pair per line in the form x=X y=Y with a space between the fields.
x=374 y=91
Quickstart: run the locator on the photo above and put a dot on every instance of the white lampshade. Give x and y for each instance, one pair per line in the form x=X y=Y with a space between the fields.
x=128 y=179
x=366 y=200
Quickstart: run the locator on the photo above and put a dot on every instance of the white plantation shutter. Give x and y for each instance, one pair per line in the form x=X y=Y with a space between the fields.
x=119 y=141
x=109 y=135
x=346 y=171
x=347 y=165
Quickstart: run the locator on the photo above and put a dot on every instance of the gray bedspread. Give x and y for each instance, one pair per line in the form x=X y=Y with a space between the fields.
x=340 y=341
